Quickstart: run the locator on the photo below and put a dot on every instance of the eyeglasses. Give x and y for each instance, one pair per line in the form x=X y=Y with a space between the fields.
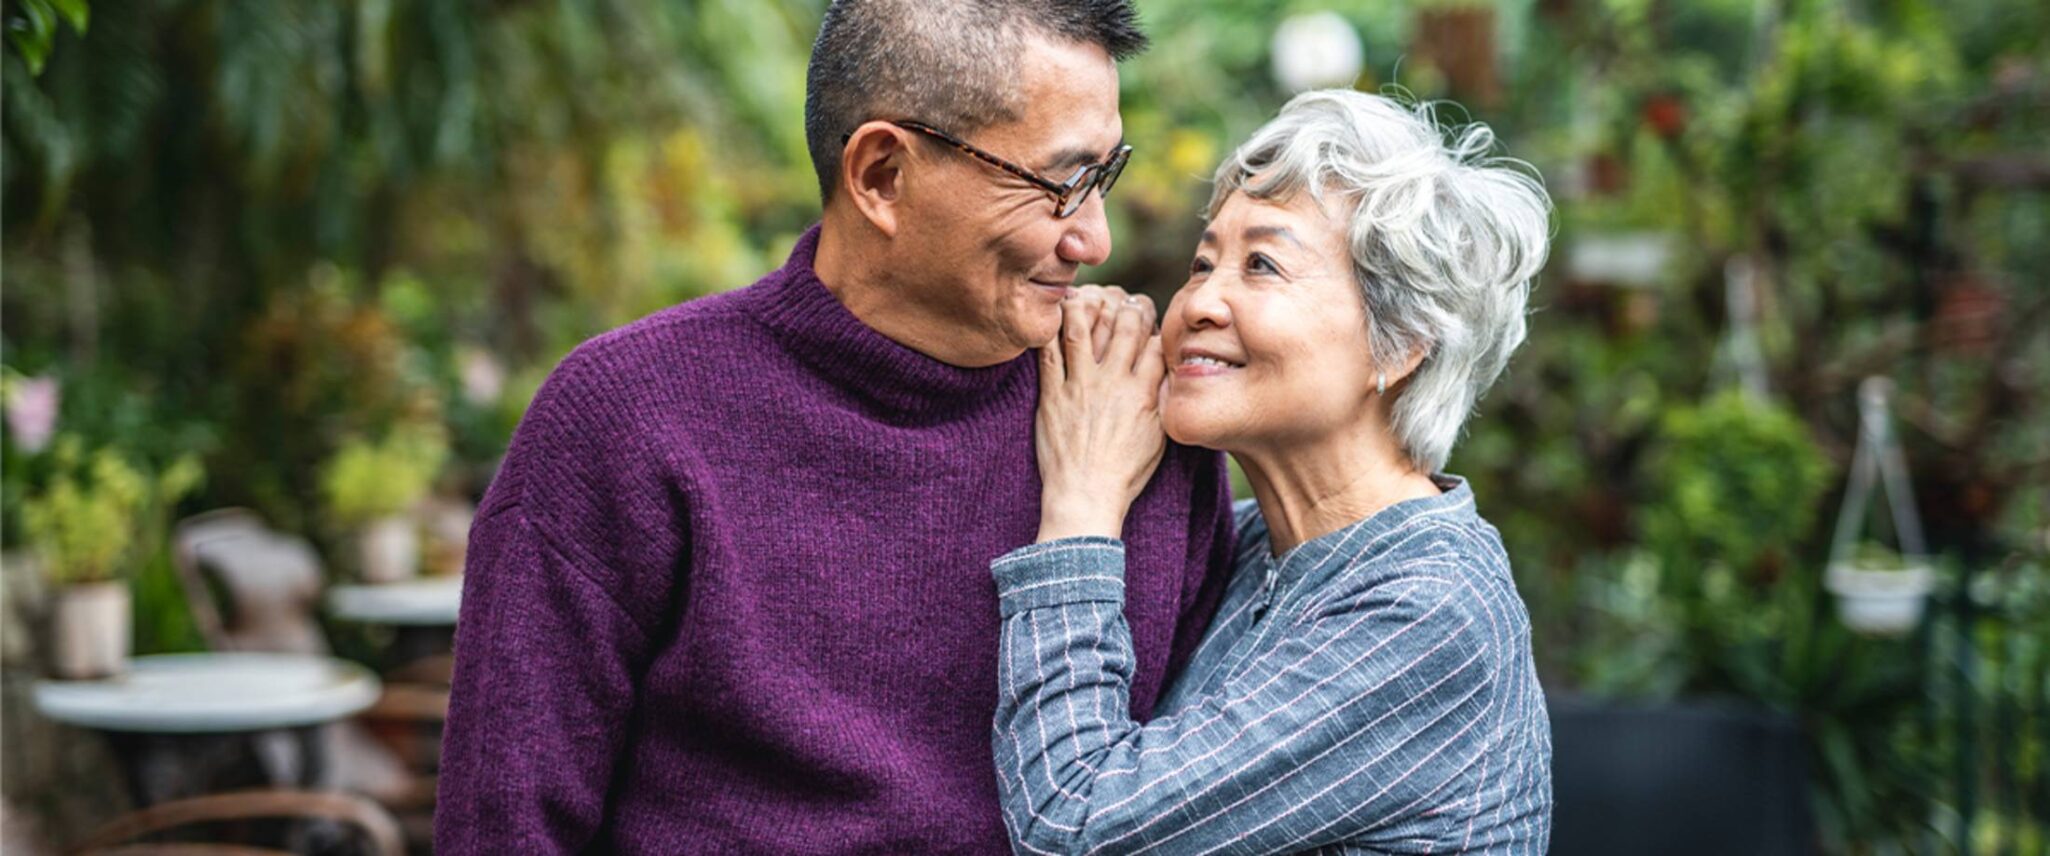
x=1068 y=196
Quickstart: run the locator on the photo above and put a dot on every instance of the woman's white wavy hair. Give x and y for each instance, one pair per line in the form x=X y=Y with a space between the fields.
x=1445 y=240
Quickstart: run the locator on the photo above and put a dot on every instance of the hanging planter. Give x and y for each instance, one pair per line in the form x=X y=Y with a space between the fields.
x=1879 y=591
x=1884 y=598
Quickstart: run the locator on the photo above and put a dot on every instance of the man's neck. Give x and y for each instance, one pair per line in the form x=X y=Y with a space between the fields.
x=856 y=279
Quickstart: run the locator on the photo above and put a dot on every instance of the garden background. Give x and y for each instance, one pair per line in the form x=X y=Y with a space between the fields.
x=308 y=255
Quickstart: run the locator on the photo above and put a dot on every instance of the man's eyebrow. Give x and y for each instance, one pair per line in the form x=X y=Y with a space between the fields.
x=1254 y=233
x=1209 y=237
x=1067 y=160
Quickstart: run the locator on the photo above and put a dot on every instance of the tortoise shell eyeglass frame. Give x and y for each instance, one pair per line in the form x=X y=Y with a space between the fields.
x=1068 y=196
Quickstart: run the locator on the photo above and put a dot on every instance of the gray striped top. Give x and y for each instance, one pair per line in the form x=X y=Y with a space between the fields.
x=1370 y=692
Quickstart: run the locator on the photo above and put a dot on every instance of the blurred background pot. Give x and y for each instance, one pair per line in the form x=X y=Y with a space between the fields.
x=1678 y=778
x=388 y=550
x=89 y=630
x=374 y=491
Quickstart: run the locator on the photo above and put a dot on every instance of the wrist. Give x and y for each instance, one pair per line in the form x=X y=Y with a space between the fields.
x=1075 y=520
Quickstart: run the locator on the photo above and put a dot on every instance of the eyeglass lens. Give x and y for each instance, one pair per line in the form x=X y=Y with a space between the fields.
x=1100 y=178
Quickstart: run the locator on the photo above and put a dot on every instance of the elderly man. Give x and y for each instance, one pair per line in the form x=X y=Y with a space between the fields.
x=729 y=592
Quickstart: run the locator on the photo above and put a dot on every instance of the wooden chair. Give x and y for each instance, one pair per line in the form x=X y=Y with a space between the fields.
x=376 y=828
x=270 y=583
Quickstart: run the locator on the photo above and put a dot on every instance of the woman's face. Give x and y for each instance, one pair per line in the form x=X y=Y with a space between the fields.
x=1267 y=342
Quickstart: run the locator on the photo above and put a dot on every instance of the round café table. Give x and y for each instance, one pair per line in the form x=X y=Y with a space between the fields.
x=421 y=602
x=422 y=611
x=176 y=720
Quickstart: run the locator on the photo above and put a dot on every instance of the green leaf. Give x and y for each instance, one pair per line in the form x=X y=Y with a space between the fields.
x=74 y=12
x=33 y=48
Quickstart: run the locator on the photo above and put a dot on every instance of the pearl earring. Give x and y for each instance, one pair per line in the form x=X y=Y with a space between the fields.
x=1381 y=384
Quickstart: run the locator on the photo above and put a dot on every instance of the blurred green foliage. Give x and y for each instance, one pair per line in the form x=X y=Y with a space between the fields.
x=1736 y=480
x=261 y=230
x=368 y=480
x=32 y=26
x=98 y=512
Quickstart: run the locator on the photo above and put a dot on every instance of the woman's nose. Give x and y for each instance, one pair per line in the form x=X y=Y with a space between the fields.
x=1203 y=305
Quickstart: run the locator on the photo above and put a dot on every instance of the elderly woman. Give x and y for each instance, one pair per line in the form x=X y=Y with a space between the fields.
x=1367 y=685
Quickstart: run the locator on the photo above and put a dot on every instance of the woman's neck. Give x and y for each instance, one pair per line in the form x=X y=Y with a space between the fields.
x=1308 y=489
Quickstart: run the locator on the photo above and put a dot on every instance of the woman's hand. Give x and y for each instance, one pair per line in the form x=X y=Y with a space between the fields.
x=1098 y=431
x=1094 y=298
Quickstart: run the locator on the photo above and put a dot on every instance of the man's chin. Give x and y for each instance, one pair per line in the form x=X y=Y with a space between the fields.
x=1038 y=329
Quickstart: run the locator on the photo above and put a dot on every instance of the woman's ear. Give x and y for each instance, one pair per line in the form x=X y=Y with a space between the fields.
x=1400 y=375
x=872 y=172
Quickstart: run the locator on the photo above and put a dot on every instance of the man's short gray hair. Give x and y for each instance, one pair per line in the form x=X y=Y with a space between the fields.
x=951 y=63
x=1445 y=240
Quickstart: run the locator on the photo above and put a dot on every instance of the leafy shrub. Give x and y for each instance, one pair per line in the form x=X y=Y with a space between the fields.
x=99 y=512
x=368 y=480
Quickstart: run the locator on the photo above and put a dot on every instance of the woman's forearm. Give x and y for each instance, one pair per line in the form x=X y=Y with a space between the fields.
x=1064 y=684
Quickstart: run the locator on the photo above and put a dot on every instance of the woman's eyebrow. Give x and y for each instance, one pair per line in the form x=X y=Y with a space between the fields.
x=1254 y=233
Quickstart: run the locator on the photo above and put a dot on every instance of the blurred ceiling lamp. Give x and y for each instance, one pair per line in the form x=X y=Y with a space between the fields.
x=1878 y=591
x=1318 y=50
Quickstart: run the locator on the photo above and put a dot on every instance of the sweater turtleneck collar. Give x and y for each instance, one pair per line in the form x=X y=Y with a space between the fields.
x=814 y=325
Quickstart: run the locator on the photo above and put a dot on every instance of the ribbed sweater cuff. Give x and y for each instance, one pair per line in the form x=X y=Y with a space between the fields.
x=1068 y=570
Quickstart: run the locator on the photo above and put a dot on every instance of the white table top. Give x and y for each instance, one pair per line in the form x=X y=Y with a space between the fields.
x=225 y=692
x=426 y=601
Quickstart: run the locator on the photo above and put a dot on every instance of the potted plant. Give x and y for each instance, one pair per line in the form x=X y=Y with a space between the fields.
x=1683 y=735
x=86 y=527
x=370 y=488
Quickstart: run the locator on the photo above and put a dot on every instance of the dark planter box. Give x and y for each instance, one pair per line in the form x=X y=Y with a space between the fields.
x=1677 y=779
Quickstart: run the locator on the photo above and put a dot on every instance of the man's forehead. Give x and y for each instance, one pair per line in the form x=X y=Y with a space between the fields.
x=1070 y=90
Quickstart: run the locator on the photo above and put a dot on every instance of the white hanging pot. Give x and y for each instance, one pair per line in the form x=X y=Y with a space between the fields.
x=1879 y=591
x=1880 y=602
x=89 y=630
x=388 y=550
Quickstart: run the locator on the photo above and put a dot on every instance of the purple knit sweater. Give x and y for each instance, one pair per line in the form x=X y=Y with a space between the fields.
x=730 y=591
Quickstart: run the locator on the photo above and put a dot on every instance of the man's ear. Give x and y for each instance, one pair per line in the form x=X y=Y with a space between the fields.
x=872 y=172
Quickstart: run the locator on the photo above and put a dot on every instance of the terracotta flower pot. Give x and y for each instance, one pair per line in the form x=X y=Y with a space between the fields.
x=89 y=630
x=388 y=550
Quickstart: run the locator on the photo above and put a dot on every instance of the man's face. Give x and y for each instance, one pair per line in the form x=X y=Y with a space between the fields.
x=984 y=252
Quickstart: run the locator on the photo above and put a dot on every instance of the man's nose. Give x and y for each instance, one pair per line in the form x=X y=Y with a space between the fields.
x=1087 y=238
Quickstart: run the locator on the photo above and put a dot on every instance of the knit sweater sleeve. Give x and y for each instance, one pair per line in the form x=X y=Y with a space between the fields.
x=1212 y=543
x=573 y=565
